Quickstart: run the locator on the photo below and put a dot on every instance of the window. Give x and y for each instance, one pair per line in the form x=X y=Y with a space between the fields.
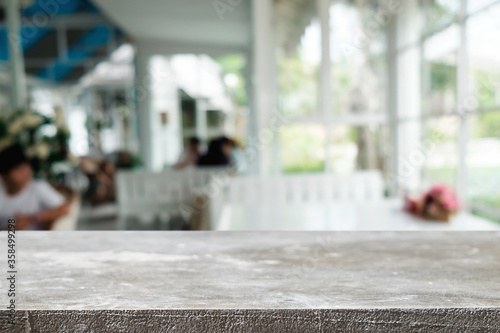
x=358 y=148
x=483 y=160
x=302 y=148
x=483 y=50
x=475 y=5
x=439 y=13
x=358 y=60
x=440 y=71
x=440 y=150
x=448 y=101
x=298 y=41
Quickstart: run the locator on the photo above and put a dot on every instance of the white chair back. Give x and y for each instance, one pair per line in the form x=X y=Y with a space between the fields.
x=149 y=193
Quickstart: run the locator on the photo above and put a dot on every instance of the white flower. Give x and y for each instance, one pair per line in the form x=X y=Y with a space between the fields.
x=73 y=159
x=31 y=151
x=63 y=129
x=32 y=120
x=59 y=119
x=42 y=151
x=4 y=143
x=16 y=126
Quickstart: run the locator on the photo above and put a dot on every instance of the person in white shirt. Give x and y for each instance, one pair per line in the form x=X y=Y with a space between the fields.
x=33 y=204
x=190 y=155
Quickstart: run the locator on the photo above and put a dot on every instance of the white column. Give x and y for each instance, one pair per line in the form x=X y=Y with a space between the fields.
x=392 y=101
x=325 y=102
x=251 y=119
x=143 y=101
x=201 y=119
x=408 y=102
x=18 y=97
x=462 y=71
x=264 y=84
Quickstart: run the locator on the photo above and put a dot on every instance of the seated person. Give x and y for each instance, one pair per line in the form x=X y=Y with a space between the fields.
x=101 y=180
x=33 y=204
x=219 y=153
x=190 y=155
x=124 y=160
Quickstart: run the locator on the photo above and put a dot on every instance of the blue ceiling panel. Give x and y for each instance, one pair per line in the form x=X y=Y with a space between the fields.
x=56 y=8
x=87 y=46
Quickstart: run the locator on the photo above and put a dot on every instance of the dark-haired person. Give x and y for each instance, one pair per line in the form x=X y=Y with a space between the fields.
x=190 y=155
x=219 y=153
x=34 y=204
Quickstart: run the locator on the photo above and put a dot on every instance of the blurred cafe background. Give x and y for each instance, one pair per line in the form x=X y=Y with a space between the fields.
x=250 y=114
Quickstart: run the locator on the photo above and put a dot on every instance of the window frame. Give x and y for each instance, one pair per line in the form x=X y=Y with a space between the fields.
x=462 y=94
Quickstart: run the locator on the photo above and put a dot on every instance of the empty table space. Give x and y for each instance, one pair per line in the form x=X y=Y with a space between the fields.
x=376 y=215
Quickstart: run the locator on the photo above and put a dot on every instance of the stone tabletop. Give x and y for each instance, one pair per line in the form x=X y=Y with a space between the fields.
x=287 y=281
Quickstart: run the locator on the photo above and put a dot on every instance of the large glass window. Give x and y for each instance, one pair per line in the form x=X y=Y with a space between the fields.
x=303 y=148
x=483 y=159
x=475 y=5
x=439 y=13
x=483 y=46
x=358 y=59
x=439 y=150
x=457 y=111
x=358 y=148
x=343 y=133
x=440 y=71
x=298 y=41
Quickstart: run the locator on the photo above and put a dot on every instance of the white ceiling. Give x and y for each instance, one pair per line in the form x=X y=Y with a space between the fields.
x=181 y=20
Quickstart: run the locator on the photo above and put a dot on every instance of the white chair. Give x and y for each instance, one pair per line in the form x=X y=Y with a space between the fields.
x=146 y=194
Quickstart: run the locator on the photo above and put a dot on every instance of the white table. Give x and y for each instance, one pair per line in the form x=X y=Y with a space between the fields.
x=381 y=215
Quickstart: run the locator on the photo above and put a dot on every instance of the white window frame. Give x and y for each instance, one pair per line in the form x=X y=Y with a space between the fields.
x=324 y=114
x=462 y=95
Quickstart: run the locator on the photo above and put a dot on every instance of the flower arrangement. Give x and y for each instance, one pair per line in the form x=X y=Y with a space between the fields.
x=44 y=139
x=438 y=203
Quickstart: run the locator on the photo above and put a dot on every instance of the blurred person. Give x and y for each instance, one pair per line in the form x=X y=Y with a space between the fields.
x=101 y=179
x=124 y=160
x=220 y=153
x=34 y=204
x=190 y=155
x=239 y=158
x=105 y=191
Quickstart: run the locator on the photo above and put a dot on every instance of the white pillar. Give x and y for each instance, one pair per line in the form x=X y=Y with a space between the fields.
x=462 y=76
x=325 y=102
x=143 y=101
x=408 y=75
x=201 y=119
x=18 y=89
x=264 y=85
x=251 y=119
x=392 y=102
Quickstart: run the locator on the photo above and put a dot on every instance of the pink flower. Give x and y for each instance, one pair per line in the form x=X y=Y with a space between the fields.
x=444 y=196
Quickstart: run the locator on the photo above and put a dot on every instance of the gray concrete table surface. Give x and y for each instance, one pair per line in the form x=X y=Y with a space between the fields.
x=255 y=282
